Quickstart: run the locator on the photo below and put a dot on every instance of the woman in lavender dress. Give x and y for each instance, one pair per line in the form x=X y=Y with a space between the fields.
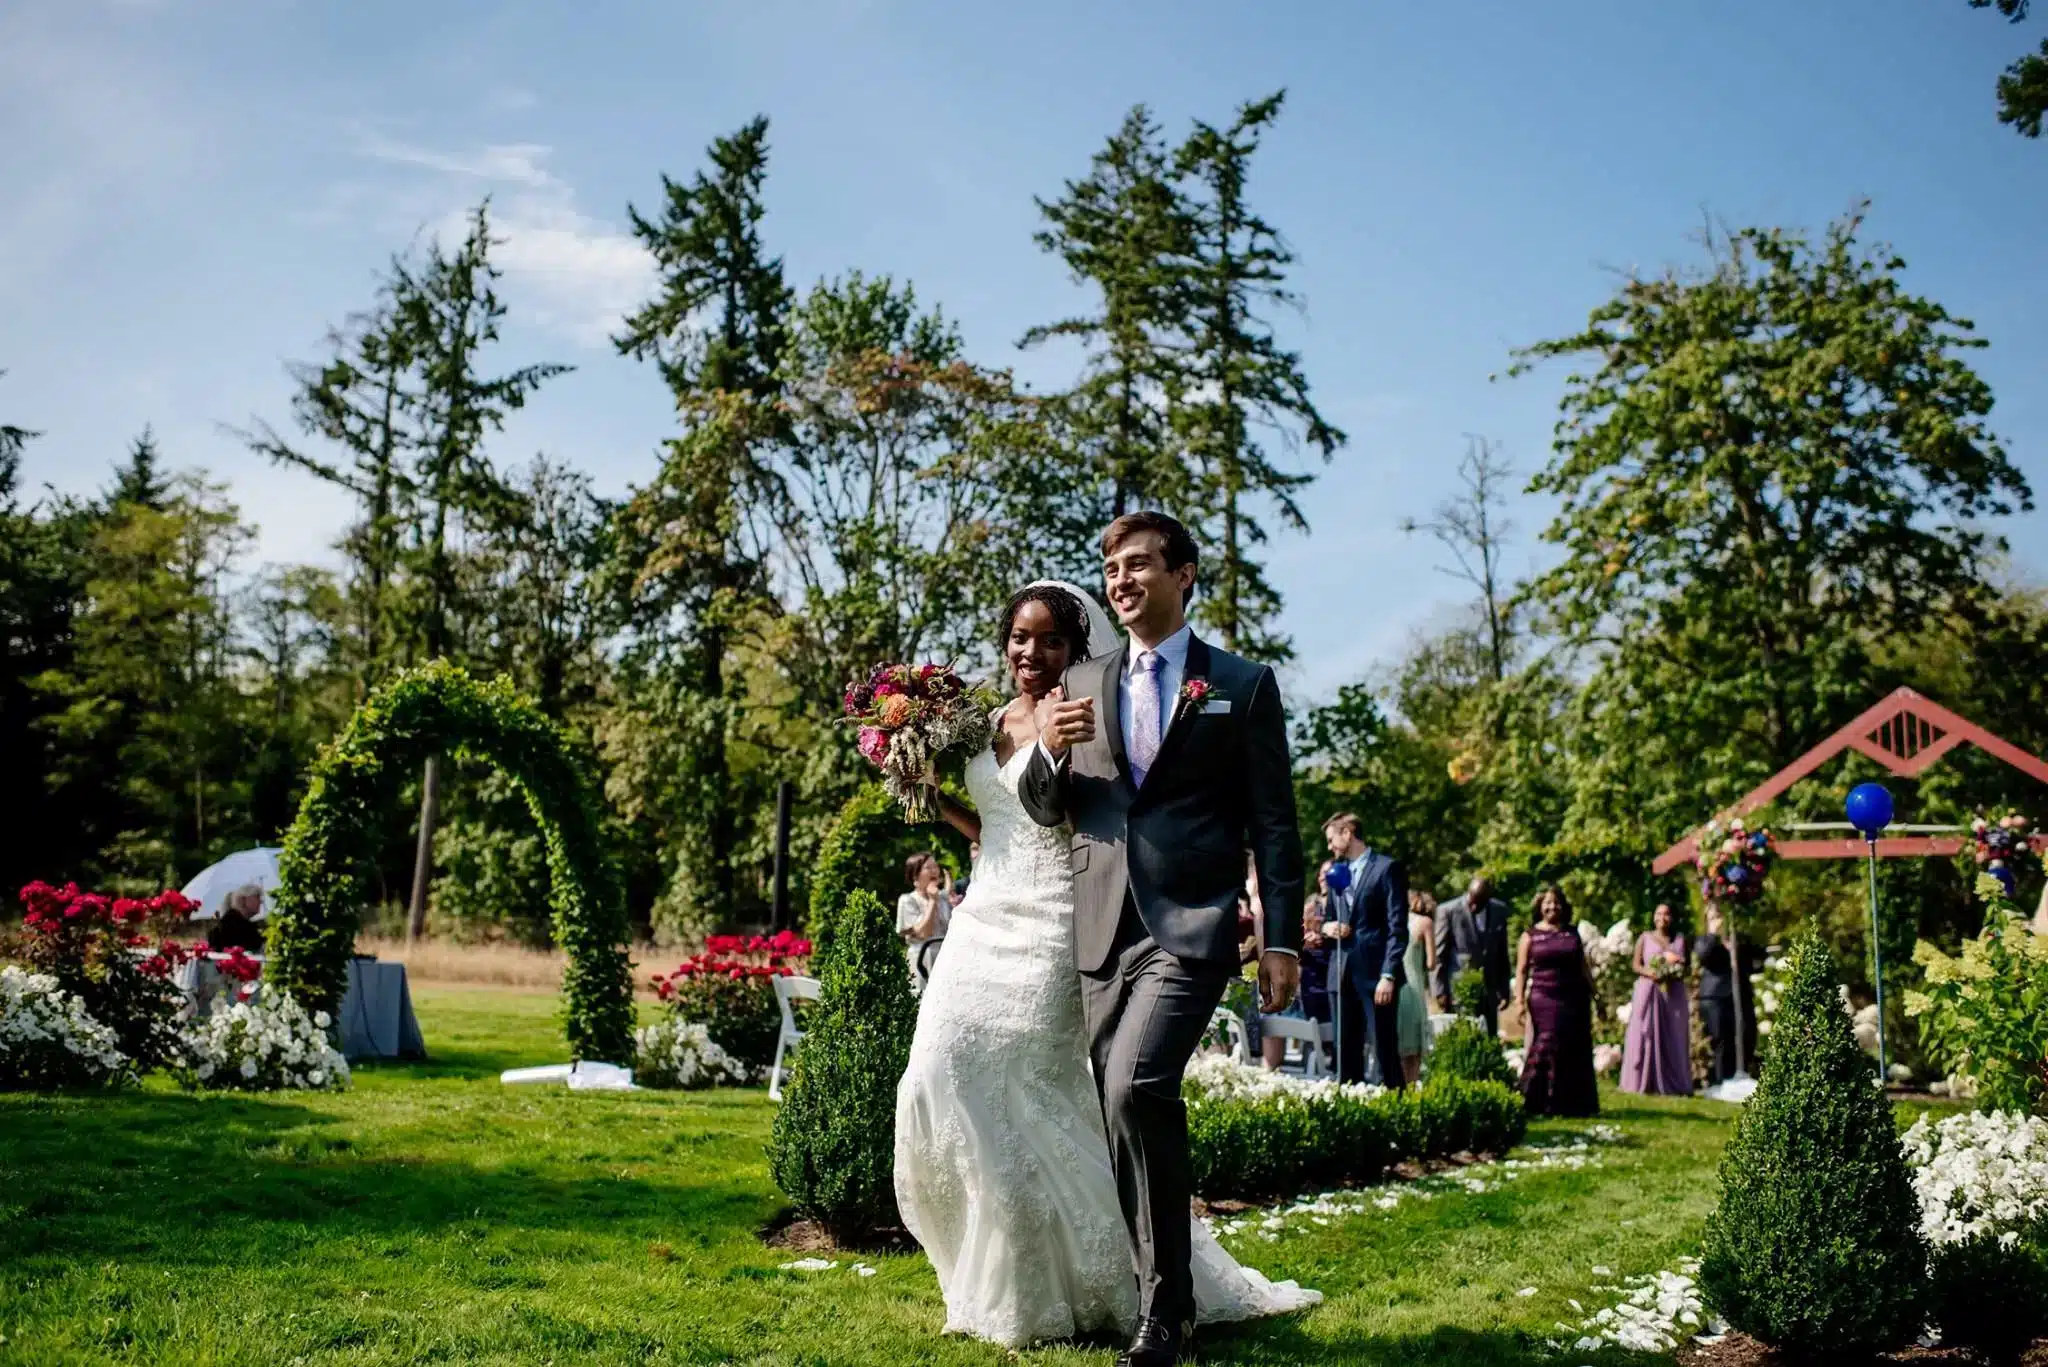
x=1656 y=1055
x=1554 y=984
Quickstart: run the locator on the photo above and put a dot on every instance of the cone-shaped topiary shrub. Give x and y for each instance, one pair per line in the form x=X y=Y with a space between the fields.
x=833 y=1151
x=1816 y=1247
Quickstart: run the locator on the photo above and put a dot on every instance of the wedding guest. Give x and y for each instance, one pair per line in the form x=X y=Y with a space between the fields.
x=1418 y=964
x=922 y=913
x=1369 y=922
x=1717 y=999
x=1554 y=985
x=236 y=926
x=1314 y=997
x=959 y=893
x=1656 y=1053
x=1472 y=932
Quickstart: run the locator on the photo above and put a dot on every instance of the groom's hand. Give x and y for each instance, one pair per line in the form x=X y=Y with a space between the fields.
x=1279 y=978
x=1064 y=724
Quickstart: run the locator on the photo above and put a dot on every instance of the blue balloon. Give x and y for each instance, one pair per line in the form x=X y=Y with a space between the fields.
x=1339 y=877
x=1869 y=808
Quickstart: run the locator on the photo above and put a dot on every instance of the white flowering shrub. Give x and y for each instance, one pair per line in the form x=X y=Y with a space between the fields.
x=267 y=1044
x=48 y=1040
x=1978 y=1173
x=1218 y=1077
x=682 y=1054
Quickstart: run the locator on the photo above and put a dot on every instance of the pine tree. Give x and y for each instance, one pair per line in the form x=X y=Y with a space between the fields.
x=716 y=331
x=1248 y=382
x=141 y=482
x=1816 y=1245
x=833 y=1150
x=449 y=307
x=361 y=399
x=1126 y=229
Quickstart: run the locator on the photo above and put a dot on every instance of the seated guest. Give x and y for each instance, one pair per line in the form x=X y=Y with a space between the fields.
x=922 y=913
x=236 y=927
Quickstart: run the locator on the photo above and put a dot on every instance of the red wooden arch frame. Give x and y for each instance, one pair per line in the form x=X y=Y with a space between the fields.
x=1904 y=732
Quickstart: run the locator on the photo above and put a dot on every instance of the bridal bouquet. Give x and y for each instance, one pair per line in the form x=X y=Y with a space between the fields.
x=910 y=715
x=1665 y=970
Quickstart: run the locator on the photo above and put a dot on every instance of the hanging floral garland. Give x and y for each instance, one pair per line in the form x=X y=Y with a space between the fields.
x=1733 y=861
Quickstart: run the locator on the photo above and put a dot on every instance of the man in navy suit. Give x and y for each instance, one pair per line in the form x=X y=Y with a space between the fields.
x=1368 y=923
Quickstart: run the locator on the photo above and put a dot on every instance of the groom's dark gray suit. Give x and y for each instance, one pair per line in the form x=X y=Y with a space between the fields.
x=1157 y=869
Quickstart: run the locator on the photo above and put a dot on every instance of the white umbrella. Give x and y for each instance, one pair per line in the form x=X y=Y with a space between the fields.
x=258 y=866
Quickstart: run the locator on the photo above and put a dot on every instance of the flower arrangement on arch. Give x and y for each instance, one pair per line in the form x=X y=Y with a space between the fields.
x=909 y=717
x=2000 y=845
x=1733 y=861
x=728 y=988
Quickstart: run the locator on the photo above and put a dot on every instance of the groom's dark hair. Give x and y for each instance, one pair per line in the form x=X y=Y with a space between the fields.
x=1180 y=543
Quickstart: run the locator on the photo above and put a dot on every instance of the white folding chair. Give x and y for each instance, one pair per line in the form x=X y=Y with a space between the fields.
x=1309 y=1035
x=1227 y=1024
x=788 y=991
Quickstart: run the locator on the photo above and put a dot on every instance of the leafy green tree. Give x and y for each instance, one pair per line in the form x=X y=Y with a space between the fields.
x=1246 y=383
x=1126 y=230
x=142 y=727
x=2023 y=89
x=687 y=576
x=1762 y=467
x=43 y=571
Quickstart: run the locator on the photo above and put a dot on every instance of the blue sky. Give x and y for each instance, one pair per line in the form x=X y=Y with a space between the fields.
x=196 y=191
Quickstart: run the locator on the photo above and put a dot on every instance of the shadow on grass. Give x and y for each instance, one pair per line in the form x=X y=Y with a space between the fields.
x=1289 y=1340
x=149 y=1172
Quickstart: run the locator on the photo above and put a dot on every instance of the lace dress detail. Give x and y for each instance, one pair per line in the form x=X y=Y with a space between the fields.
x=1002 y=1169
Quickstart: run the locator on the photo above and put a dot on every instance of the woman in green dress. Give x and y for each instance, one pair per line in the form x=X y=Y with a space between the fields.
x=1418 y=965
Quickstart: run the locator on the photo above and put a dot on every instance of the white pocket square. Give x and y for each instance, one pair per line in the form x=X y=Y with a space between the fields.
x=1218 y=705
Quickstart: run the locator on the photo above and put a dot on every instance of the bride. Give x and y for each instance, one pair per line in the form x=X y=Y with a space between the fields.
x=1002 y=1167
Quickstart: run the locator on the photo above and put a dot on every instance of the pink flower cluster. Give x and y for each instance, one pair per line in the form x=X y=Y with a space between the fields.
x=739 y=957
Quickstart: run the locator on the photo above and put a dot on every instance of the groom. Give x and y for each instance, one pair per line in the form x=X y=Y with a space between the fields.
x=1186 y=769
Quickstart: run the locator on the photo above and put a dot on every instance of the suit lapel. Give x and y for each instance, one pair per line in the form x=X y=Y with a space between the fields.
x=1178 y=719
x=1112 y=708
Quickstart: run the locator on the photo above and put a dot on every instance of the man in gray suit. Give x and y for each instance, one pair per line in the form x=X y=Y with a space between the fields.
x=1186 y=772
x=1472 y=932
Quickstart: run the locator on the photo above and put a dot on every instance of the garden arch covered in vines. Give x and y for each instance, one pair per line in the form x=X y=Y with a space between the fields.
x=322 y=869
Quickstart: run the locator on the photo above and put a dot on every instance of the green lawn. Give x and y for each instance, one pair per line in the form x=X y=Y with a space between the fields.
x=433 y=1215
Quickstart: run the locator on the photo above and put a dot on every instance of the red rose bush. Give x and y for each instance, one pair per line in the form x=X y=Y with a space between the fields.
x=728 y=988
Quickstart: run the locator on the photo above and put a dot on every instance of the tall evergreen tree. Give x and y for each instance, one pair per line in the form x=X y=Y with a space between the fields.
x=716 y=331
x=1127 y=231
x=449 y=307
x=363 y=400
x=1247 y=384
x=140 y=482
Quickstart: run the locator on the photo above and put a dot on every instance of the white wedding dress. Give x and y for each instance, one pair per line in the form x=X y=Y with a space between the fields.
x=1002 y=1169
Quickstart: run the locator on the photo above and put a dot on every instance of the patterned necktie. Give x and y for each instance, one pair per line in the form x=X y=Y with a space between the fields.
x=1144 y=713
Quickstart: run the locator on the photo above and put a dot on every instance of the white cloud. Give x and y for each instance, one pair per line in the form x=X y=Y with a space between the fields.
x=566 y=270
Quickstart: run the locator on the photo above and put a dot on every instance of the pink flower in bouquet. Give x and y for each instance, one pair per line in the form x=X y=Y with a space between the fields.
x=874 y=743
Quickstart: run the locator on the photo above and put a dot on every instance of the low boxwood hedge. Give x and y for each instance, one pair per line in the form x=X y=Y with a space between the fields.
x=1316 y=1139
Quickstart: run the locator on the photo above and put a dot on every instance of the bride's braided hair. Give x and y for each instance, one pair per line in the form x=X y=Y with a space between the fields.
x=1067 y=615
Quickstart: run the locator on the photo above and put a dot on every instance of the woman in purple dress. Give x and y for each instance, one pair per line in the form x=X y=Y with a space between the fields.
x=1656 y=1054
x=1554 y=984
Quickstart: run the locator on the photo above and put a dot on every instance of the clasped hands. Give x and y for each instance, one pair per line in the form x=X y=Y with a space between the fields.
x=1064 y=722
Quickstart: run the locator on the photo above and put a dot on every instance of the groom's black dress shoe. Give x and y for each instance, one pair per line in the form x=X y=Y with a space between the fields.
x=1158 y=1344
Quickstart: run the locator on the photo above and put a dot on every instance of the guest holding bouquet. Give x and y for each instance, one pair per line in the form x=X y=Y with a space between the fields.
x=1656 y=1053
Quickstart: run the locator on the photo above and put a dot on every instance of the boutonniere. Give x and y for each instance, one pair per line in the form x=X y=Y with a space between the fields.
x=1194 y=690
